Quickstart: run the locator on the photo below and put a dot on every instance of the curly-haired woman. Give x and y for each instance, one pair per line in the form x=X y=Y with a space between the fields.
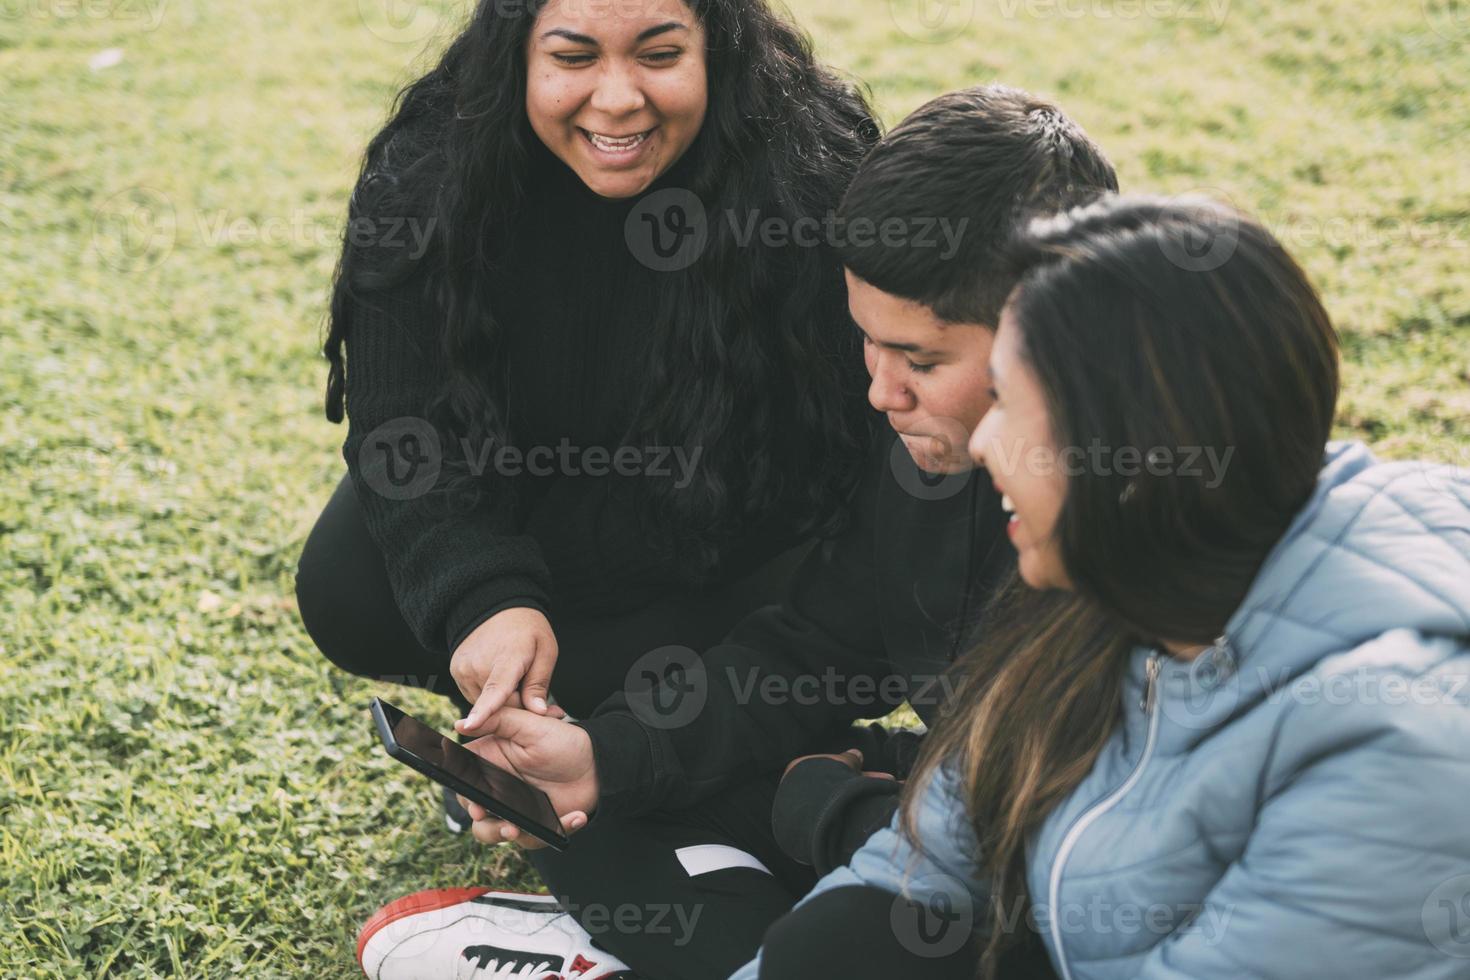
x=599 y=387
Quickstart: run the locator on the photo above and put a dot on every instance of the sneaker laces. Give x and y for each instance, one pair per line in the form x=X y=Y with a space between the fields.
x=476 y=969
x=473 y=968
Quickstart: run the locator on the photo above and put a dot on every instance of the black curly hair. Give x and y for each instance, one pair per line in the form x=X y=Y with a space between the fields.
x=754 y=361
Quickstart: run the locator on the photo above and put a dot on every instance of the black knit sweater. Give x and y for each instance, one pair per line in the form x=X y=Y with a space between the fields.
x=576 y=307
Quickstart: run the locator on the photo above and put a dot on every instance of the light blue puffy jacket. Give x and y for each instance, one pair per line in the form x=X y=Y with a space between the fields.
x=1293 y=803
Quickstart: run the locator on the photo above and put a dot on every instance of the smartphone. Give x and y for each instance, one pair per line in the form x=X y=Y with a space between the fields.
x=448 y=763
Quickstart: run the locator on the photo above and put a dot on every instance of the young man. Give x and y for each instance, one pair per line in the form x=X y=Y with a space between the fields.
x=697 y=843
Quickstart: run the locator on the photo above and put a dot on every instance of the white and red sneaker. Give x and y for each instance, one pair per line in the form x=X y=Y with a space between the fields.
x=479 y=934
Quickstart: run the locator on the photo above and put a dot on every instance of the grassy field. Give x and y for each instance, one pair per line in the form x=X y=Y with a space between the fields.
x=186 y=787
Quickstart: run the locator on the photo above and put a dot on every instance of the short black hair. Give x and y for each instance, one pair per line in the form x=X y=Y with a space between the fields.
x=984 y=160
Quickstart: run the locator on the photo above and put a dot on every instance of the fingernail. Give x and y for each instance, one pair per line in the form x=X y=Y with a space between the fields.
x=538 y=704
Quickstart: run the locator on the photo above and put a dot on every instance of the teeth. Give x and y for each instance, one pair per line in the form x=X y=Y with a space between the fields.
x=614 y=145
x=1006 y=504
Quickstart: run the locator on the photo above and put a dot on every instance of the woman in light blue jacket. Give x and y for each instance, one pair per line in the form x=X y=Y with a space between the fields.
x=1226 y=733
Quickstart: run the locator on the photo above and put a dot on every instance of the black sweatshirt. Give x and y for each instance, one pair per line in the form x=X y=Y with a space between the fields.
x=873 y=617
x=576 y=307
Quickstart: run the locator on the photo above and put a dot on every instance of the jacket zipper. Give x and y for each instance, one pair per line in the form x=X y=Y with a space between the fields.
x=1149 y=704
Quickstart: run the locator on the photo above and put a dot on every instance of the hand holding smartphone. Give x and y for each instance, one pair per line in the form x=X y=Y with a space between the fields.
x=448 y=763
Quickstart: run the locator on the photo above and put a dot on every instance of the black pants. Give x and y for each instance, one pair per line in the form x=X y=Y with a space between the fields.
x=859 y=931
x=713 y=872
x=680 y=895
x=693 y=906
x=616 y=867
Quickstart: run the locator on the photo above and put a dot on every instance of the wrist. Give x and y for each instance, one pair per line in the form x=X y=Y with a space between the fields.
x=622 y=763
x=589 y=792
x=488 y=601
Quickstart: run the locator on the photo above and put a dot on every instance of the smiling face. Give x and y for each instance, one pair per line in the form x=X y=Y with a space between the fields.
x=617 y=91
x=928 y=375
x=1014 y=442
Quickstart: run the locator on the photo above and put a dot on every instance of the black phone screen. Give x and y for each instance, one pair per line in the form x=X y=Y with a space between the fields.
x=505 y=791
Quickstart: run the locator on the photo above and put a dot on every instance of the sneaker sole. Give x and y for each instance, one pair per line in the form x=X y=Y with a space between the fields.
x=435 y=899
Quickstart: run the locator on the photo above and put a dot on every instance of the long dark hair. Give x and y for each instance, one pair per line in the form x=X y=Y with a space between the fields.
x=1149 y=324
x=752 y=364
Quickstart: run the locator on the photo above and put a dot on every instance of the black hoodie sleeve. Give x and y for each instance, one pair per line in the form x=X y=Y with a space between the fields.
x=824 y=811
x=785 y=678
x=448 y=571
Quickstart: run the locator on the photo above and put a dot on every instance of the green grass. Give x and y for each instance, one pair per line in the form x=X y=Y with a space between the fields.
x=186 y=787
